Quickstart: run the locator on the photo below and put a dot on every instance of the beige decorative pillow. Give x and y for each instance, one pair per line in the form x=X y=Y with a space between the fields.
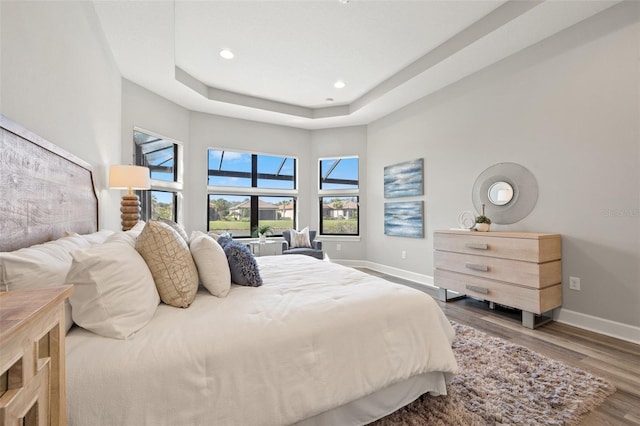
x=300 y=238
x=170 y=262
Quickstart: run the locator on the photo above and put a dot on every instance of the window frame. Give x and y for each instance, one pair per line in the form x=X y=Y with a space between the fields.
x=254 y=193
x=175 y=187
x=337 y=193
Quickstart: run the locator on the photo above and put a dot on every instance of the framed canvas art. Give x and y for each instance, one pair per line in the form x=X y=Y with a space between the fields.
x=404 y=179
x=404 y=219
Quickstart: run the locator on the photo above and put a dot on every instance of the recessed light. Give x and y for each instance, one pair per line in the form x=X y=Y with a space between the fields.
x=339 y=84
x=329 y=100
x=344 y=1
x=227 y=54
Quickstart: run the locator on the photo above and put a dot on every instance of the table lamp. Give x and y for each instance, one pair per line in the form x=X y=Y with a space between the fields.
x=129 y=177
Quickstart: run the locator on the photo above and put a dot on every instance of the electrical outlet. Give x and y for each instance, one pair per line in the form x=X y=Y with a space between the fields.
x=338 y=247
x=404 y=254
x=574 y=283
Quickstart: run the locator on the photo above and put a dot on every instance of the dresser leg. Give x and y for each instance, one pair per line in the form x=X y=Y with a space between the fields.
x=442 y=294
x=531 y=320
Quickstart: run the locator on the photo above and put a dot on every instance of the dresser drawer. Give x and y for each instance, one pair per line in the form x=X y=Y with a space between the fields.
x=529 y=274
x=527 y=299
x=537 y=248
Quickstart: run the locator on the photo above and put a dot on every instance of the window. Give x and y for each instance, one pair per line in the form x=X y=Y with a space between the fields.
x=247 y=190
x=163 y=205
x=339 y=196
x=162 y=158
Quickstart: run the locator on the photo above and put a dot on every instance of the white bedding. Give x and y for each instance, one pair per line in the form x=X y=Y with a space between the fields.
x=314 y=337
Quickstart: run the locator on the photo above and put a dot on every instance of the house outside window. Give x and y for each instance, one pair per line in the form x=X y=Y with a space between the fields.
x=248 y=189
x=163 y=157
x=339 y=190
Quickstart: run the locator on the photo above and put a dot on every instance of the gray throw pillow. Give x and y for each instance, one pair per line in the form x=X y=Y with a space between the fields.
x=242 y=264
x=224 y=240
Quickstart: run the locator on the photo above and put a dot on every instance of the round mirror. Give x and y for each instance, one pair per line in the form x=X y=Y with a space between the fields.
x=500 y=193
x=519 y=196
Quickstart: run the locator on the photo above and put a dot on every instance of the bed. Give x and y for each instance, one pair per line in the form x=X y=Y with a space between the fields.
x=316 y=344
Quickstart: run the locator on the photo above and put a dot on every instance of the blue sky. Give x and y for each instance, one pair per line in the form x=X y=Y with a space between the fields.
x=241 y=162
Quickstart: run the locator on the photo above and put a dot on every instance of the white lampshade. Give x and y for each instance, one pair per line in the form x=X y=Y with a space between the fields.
x=129 y=177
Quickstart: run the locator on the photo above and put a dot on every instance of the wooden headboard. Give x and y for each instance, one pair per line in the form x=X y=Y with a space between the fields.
x=44 y=191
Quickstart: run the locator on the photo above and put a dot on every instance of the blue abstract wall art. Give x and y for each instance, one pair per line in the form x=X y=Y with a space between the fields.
x=404 y=219
x=404 y=179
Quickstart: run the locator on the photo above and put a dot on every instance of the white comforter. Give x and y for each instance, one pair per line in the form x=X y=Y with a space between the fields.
x=315 y=336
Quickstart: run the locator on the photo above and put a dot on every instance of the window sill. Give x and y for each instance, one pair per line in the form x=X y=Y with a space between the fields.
x=354 y=238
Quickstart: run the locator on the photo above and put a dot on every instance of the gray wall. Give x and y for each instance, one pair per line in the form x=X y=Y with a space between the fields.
x=149 y=112
x=146 y=110
x=211 y=131
x=60 y=81
x=197 y=132
x=568 y=110
x=346 y=142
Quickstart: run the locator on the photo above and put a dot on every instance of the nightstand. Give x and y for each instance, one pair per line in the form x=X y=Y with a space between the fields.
x=265 y=248
x=32 y=357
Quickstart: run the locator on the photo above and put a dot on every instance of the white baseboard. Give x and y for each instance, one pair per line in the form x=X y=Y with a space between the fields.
x=389 y=270
x=599 y=325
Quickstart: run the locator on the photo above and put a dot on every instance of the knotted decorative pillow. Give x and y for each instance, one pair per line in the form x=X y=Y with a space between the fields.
x=169 y=260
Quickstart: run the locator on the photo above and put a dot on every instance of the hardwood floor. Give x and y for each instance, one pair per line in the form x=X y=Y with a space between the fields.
x=614 y=359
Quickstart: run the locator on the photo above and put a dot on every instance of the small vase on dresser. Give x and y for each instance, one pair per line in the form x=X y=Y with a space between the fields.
x=482 y=227
x=521 y=270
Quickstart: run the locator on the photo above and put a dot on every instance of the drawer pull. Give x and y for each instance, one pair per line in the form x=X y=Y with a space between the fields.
x=477 y=289
x=476 y=267
x=477 y=246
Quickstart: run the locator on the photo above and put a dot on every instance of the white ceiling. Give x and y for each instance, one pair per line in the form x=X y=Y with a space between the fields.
x=288 y=54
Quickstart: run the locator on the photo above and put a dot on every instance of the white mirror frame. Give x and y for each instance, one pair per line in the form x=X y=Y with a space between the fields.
x=500 y=193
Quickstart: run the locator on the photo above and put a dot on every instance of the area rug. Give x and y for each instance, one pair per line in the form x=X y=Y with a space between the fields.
x=501 y=383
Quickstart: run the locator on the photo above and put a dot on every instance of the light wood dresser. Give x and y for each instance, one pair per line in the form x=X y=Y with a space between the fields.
x=32 y=357
x=517 y=269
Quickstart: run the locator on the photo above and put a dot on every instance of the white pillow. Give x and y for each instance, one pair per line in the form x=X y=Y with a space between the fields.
x=300 y=238
x=210 y=234
x=123 y=237
x=114 y=293
x=129 y=236
x=178 y=227
x=137 y=229
x=213 y=268
x=93 y=238
x=195 y=234
x=41 y=265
